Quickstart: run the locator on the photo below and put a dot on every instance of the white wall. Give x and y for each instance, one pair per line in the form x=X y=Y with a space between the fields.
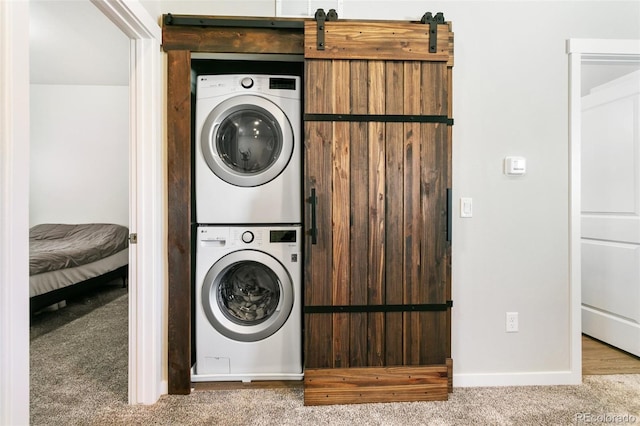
x=510 y=98
x=72 y=42
x=79 y=154
x=208 y=7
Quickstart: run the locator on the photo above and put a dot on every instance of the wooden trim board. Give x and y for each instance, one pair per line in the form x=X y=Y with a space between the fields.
x=329 y=386
x=179 y=221
x=233 y=40
x=379 y=40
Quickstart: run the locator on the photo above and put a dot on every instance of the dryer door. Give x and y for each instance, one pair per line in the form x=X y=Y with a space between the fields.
x=247 y=140
x=247 y=295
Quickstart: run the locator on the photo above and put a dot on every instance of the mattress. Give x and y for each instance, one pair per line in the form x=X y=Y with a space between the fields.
x=61 y=246
x=53 y=280
x=61 y=254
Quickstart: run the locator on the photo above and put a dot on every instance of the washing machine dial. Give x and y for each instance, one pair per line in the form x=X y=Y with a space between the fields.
x=247 y=237
x=247 y=82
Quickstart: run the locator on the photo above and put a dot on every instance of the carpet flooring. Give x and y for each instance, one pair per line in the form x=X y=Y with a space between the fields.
x=48 y=320
x=79 y=377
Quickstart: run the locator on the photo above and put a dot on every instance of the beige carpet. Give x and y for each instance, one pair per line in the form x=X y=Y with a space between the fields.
x=78 y=377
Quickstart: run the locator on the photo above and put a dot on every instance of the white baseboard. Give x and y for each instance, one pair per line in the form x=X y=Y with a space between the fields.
x=620 y=332
x=545 y=378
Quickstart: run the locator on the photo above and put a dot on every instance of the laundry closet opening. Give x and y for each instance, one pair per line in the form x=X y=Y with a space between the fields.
x=218 y=68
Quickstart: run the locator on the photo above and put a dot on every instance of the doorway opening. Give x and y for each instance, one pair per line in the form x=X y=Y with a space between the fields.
x=79 y=176
x=604 y=200
x=147 y=284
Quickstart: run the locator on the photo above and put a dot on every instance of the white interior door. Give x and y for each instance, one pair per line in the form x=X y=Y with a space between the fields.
x=610 y=213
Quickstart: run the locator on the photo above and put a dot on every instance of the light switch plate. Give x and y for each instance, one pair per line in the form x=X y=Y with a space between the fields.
x=466 y=207
x=515 y=166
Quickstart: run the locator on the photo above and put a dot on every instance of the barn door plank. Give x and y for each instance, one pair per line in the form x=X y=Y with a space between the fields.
x=319 y=256
x=394 y=211
x=412 y=211
x=341 y=194
x=359 y=212
x=377 y=204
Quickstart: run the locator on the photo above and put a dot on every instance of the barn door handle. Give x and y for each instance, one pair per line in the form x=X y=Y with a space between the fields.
x=314 y=224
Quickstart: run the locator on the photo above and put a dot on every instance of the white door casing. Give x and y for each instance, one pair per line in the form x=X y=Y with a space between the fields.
x=147 y=342
x=14 y=213
x=578 y=49
x=611 y=213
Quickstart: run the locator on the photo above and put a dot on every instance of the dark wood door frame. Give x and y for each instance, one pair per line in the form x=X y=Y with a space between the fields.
x=179 y=39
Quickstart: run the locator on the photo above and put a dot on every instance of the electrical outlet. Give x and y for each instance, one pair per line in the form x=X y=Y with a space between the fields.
x=512 y=322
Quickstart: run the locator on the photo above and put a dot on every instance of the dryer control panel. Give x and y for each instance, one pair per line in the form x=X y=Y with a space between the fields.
x=285 y=86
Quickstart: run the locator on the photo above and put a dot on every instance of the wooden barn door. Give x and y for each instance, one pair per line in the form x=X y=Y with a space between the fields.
x=377 y=172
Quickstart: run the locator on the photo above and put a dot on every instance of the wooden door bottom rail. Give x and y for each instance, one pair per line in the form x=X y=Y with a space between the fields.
x=328 y=386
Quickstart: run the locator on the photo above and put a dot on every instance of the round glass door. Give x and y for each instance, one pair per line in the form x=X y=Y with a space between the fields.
x=247 y=141
x=247 y=295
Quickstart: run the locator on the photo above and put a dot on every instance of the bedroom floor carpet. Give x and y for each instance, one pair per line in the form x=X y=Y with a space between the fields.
x=49 y=320
x=78 y=377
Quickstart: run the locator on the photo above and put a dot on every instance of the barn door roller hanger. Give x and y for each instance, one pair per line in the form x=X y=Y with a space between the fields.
x=433 y=22
x=320 y=18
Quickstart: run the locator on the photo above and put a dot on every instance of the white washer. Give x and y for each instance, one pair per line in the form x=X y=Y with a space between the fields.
x=248 y=303
x=248 y=163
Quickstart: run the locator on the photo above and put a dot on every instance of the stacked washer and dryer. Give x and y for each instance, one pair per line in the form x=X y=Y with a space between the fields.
x=248 y=177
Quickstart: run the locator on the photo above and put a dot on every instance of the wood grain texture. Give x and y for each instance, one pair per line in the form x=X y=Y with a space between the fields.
x=450 y=61
x=388 y=183
x=449 y=174
x=394 y=212
x=341 y=193
x=318 y=259
x=382 y=384
x=359 y=212
x=412 y=225
x=378 y=40
x=377 y=204
x=601 y=358
x=233 y=40
x=179 y=220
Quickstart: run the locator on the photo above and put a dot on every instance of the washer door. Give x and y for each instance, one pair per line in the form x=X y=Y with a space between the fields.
x=247 y=140
x=247 y=295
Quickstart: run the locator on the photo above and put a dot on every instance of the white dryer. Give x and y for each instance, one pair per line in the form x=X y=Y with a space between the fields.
x=248 y=314
x=248 y=163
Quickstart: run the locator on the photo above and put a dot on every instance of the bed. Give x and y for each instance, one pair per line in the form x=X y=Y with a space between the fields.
x=66 y=260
